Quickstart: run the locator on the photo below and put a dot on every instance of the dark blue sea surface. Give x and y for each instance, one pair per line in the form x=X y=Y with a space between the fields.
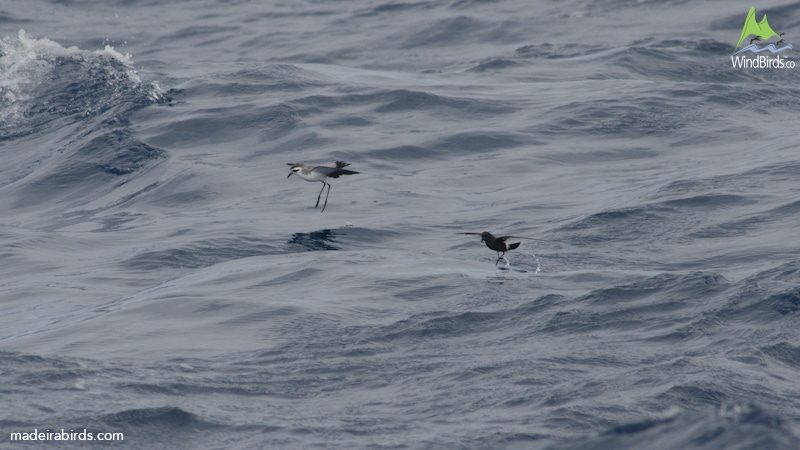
x=160 y=277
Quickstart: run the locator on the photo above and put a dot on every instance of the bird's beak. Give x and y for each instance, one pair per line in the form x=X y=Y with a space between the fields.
x=290 y=174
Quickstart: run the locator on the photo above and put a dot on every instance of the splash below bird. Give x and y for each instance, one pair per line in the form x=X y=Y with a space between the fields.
x=499 y=245
x=320 y=173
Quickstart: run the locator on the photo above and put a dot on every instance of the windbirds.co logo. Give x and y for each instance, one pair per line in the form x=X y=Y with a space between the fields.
x=761 y=32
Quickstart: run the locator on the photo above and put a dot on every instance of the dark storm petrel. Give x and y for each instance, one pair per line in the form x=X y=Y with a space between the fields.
x=320 y=173
x=499 y=245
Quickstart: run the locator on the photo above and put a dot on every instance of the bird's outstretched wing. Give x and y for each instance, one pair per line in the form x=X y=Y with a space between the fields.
x=339 y=166
x=342 y=172
x=503 y=238
x=334 y=172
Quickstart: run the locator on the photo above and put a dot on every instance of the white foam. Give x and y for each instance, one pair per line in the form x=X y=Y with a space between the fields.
x=125 y=59
x=23 y=63
x=29 y=61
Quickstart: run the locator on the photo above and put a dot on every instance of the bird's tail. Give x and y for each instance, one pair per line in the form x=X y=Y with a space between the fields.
x=513 y=246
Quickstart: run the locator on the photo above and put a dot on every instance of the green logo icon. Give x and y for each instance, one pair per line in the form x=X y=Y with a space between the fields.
x=761 y=30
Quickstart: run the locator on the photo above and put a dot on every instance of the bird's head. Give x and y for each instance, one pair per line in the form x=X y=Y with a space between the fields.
x=295 y=168
x=485 y=235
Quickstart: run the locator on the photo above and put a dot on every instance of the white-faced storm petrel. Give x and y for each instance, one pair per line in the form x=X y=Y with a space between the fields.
x=498 y=244
x=320 y=173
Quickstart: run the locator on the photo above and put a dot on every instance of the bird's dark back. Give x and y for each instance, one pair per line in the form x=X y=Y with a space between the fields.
x=494 y=243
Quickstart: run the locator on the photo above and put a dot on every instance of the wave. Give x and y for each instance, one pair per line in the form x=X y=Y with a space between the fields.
x=201 y=254
x=166 y=417
x=78 y=104
x=732 y=425
x=43 y=83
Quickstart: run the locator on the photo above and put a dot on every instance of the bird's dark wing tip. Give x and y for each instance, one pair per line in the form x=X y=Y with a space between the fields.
x=522 y=237
x=339 y=172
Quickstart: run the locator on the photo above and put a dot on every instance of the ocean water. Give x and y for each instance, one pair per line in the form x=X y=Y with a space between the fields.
x=161 y=278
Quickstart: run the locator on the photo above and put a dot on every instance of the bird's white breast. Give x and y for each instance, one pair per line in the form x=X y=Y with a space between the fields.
x=311 y=175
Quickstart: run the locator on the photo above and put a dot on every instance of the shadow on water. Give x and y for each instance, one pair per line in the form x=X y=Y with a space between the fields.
x=208 y=252
x=314 y=241
x=344 y=237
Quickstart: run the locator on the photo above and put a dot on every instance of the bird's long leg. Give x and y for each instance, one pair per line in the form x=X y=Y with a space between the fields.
x=499 y=257
x=320 y=194
x=326 y=196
